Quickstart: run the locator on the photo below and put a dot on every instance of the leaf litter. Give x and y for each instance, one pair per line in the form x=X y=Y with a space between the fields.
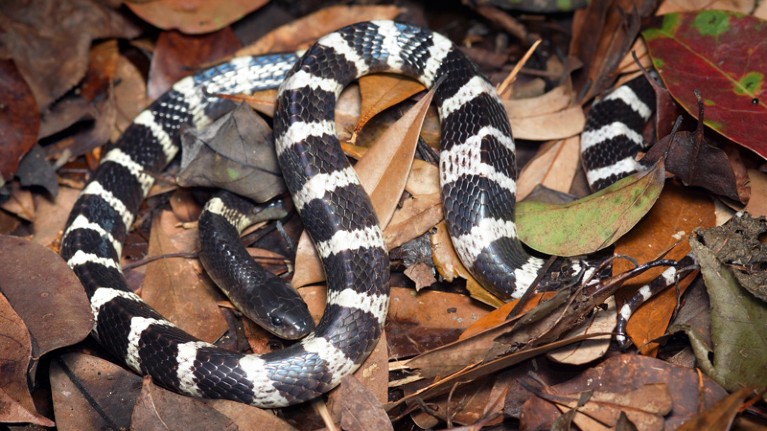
x=452 y=354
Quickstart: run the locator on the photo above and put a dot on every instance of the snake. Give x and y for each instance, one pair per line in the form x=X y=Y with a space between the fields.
x=477 y=165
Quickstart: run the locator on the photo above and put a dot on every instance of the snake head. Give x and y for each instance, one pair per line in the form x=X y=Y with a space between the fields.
x=290 y=320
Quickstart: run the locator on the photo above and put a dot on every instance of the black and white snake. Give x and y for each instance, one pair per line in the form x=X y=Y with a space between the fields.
x=477 y=172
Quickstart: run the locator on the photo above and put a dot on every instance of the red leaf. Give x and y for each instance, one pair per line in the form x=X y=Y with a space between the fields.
x=723 y=55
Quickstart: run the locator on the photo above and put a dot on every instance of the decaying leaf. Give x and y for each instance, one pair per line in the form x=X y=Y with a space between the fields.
x=620 y=376
x=606 y=215
x=92 y=393
x=235 y=153
x=45 y=293
x=738 y=344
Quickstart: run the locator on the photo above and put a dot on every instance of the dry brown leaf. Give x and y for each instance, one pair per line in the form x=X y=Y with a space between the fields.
x=246 y=417
x=673 y=217
x=52 y=216
x=644 y=407
x=418 y=214
x=554 y=167
x=556 y=125
x=555 y=100
x=670 y=6
x=359 y=409
x=380 y=92
x=176 y=287
x=79 y=382
x=499 y=315
x=303 y=32
x=757 y=205
x=193 y=16
x=720 y=416
x=383 y=173
x=589 y=350
x=158 y=408
x=21 y=203
x=423 y=179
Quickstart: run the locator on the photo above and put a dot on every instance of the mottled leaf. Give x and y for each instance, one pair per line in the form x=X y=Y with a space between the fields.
x=722 y=55
x=606 y=215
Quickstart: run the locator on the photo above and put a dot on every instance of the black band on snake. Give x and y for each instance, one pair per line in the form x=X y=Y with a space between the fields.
x=477 y=173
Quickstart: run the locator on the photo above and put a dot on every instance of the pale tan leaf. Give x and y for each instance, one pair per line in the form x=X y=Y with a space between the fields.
x=423 y=179
x=554 y=167
x=556 y=125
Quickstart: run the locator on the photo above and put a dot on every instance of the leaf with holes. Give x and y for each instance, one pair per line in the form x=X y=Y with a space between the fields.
x=560 y=229
x=722 y=55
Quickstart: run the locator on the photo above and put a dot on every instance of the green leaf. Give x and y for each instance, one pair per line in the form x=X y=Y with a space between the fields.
x=593 y=222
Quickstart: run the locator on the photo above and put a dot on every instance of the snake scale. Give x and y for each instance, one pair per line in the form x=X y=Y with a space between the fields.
x=477 y=174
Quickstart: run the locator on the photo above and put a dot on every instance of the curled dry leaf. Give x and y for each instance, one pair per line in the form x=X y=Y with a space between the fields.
x=193 y=16
x=175 y=286
x=360 y=410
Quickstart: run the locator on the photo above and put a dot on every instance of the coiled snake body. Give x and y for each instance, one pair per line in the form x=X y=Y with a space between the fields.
x=477 y=169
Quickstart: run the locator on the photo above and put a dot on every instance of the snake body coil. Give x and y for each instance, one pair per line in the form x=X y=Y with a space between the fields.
x=477 y=165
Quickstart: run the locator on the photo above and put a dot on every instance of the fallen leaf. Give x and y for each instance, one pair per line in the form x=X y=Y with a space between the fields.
x=235 y=153
x=380 y=92
x=586 y=351
x=192 y=16
x=698 y=46
x=175 y=286
x=360 y=410
x=50 y=40
x=629 y=372
x=302 y=32
x=19 y=121
x=91 y=393
x=45 y=293
x=720 y=416
x=607 y=215
x=661 y=234
x=738 y=344
x=554 y=167
x=159 y=406
x=177 y=55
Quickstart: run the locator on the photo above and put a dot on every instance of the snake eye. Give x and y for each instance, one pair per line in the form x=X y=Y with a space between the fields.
x=276 y=321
